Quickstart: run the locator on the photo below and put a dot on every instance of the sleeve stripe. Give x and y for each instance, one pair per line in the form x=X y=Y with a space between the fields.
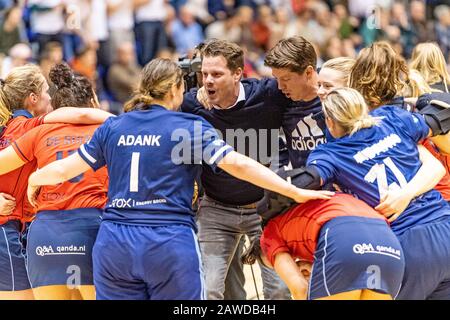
x=218 y=154
x=87 y=155
x=20 y=151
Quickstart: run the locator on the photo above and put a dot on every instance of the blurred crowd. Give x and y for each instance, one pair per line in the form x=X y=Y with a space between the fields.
x=109 y=41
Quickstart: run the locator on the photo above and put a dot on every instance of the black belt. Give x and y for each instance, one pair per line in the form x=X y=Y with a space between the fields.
x=245 y=206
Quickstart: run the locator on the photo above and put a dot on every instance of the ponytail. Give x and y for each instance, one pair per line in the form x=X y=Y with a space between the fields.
x=157 y=79
x=347 y=108
x=138 y=99
x=366 y=121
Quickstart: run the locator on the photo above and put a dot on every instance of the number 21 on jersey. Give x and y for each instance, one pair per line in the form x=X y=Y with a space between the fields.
x=378 y=173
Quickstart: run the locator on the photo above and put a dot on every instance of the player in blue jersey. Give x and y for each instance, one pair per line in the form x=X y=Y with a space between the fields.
x=378 y=155
x=146 y=247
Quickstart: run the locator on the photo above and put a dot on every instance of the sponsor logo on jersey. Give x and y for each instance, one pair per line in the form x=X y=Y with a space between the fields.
x=307 y=135
x=60 y=250
x=365 y=248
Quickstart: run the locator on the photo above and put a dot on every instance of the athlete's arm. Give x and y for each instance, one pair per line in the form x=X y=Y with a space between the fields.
x=249 y=170
x=428 y=176
x=9 y=160
x=443 y=143
x=7 y=204
x=77 y=116
x=54 y=173
x=290 y=273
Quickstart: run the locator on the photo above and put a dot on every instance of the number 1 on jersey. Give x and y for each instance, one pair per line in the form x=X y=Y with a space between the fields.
x=134 y=172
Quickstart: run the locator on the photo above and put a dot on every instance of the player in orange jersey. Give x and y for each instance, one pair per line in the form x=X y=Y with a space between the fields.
x=23 y=94
x=366 y=264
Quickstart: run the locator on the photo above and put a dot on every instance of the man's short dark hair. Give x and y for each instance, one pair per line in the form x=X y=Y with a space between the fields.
x=233 y=54
x=294 y=53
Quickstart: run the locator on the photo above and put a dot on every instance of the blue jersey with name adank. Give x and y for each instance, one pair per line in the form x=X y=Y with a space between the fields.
x=153 y=157
x=381 y=158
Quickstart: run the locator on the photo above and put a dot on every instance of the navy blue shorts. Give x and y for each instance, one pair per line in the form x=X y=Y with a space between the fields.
x=13 y=275
x=427 y=256
x=355 y=253
x=134 y=262
x=59 y=248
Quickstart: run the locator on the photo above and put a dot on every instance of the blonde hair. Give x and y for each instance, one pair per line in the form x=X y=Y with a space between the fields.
x=157 y=78
x=18 y=85
x=347 y=108
x=416 y=85
x=428 y=59
x=343 y=65
x=379 y=74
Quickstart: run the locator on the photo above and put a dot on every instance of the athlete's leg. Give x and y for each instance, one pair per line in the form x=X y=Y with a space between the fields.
x=87 y=292
x=349 y=295
x=17 y=295
x=14 y=283
x=372 y=295
x=177 y=274
x=59 y=292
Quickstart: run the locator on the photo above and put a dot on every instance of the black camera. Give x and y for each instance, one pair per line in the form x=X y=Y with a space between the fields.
x=190 y=68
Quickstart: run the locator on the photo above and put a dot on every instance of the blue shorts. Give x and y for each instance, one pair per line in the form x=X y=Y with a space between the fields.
x=355 y=253
x=59 y=248
x=427 y=256
x=13 y=275
x=135 y=262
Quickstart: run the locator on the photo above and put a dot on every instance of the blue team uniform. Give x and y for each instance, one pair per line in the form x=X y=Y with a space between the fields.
x=147 y=247
x=375 y=160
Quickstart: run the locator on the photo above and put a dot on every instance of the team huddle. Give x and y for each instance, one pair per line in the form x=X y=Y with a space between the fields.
x=353 y=206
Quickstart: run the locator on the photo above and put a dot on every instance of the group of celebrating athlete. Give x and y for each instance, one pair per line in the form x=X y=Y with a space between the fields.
x=108 y=214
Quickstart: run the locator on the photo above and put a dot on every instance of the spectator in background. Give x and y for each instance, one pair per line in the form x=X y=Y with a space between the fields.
x=123 y=75
x=150 y=33
x=200 y=9
x=346 y=24
x=219 y=9
x=421 y=28
x=19 y=55
x=85 y=64
x=261 y=28
x=279 y=25
x=120 y=22
x=52 y=55
x=97 y=34
x=301 y=26
x=442 y=14
x=47 y=21
x=186 y=32
x=224 y=29
x=11 y=29
x=245 y=16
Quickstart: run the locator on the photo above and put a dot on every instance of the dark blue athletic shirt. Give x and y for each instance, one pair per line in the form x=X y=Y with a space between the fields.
x=378 y=159
x=153 y=157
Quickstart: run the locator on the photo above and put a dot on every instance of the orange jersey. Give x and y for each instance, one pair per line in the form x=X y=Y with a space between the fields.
x=51 y=142
x=15 y=182
x=444 y=185
x=297 y=230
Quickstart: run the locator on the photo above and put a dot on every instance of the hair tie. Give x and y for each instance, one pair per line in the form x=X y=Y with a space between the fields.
x=2 y=82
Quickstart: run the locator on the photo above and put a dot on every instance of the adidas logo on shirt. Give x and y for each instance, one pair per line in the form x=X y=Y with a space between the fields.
x=307 y=135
